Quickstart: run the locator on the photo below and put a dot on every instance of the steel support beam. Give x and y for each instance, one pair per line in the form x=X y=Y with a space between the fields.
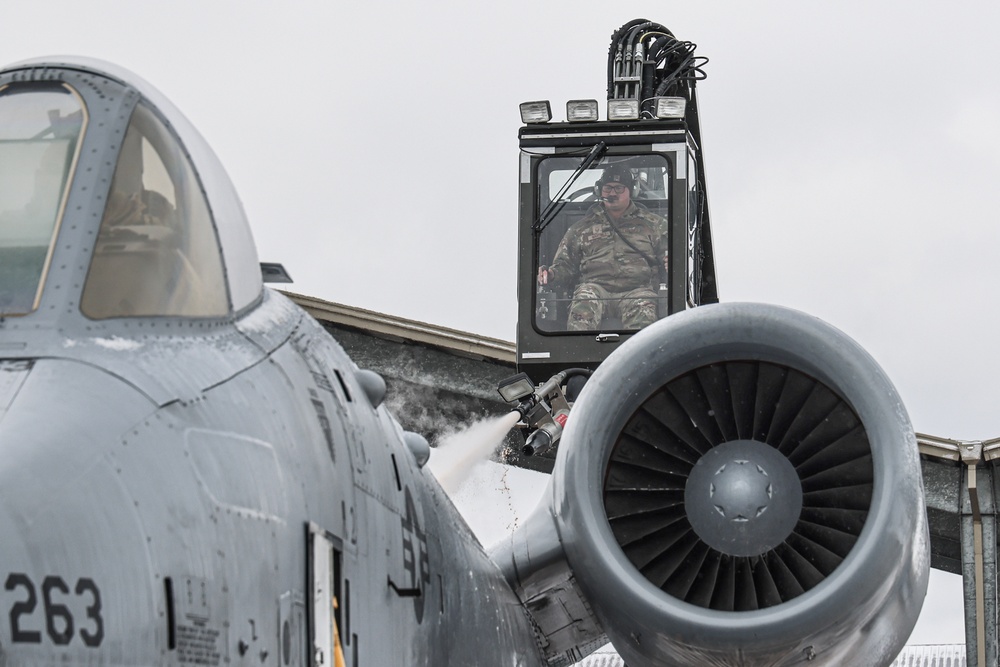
x=979 y=556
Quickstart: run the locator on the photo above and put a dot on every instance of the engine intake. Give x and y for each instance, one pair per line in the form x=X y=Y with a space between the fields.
x=738 y=485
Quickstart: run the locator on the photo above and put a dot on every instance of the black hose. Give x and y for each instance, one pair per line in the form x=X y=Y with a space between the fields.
x=668 y=67
x=615 y=46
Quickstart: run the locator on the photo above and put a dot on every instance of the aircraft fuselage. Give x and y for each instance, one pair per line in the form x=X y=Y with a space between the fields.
x=193 y=470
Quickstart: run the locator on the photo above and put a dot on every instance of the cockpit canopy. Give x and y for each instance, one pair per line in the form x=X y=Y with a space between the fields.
x=162 y=235
x=40 y=130
x=156 y=251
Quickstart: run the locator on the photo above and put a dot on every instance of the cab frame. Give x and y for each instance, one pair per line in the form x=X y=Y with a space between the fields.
x=691 y=279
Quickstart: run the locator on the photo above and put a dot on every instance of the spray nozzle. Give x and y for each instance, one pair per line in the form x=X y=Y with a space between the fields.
x=532 y=410
x=533 y=404
x=543 y=409
x=546 y=435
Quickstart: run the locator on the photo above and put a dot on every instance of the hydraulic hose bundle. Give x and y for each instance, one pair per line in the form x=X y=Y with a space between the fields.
x=645 y=60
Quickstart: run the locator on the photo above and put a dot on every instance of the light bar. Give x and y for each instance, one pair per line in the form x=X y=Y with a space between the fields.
x=670 y=107
x=581 y=110
x=536 y=112
x=623 y=109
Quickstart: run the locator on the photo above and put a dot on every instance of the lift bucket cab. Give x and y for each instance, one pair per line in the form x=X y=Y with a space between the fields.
x=649 y=127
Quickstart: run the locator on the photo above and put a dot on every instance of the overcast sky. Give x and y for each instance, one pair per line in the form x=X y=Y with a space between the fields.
x=852 y=151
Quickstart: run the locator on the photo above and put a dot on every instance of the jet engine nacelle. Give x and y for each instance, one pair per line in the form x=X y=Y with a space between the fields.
x=739 y=484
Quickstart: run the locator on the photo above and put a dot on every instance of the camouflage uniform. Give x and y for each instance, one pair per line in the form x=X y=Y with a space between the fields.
x=610 y=278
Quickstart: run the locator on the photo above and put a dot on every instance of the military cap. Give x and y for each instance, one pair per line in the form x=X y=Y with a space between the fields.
x=617 y=174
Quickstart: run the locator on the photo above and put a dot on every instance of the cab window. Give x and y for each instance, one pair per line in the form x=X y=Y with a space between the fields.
x=157 y=253
x=601 y=242
x=40 y=130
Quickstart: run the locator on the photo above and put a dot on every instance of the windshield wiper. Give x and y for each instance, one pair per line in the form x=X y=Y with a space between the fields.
x=546 y=216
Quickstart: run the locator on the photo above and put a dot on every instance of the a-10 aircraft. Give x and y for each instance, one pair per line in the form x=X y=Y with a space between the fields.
x=193 y=472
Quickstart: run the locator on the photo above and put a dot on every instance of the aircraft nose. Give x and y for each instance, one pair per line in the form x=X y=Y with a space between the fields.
x=59 y=421
x=72 y=551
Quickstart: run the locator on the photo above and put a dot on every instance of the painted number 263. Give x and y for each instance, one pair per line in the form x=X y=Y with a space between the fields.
x=59 y=622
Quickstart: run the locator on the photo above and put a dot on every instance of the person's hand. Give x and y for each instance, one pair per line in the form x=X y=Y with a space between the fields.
x=544 y=275
x=666 y=268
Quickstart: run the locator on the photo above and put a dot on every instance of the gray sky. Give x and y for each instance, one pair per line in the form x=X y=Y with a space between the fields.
x=852 y=151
